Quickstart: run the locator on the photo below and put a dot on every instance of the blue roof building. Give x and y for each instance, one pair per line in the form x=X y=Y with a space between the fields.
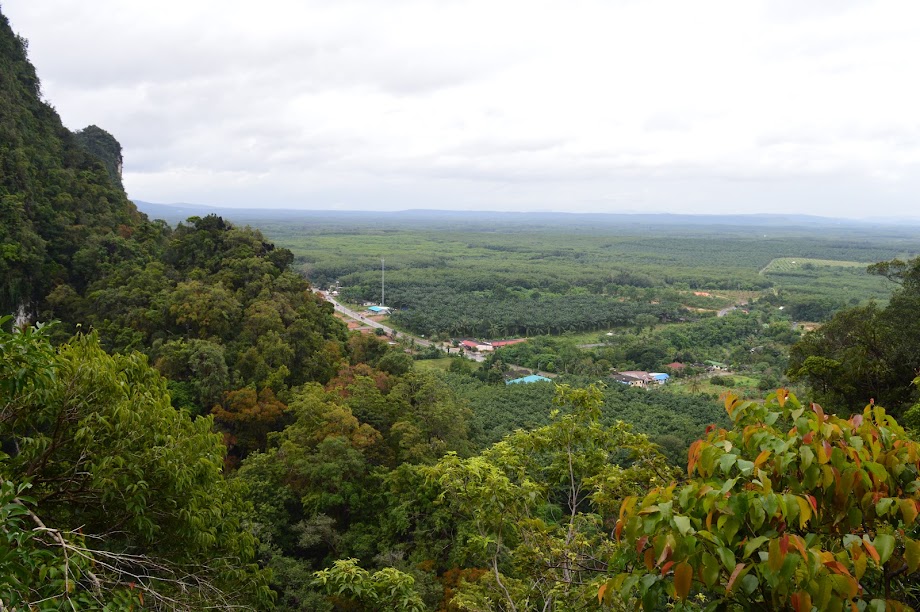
x=528 y=379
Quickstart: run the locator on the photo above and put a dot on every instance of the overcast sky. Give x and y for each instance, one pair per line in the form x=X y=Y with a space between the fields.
x=611 y=106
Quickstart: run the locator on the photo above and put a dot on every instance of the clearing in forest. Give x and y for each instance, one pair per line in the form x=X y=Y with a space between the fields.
x=792 y=264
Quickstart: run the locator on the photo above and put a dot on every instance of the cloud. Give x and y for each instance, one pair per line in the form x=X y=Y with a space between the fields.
x=517 y=105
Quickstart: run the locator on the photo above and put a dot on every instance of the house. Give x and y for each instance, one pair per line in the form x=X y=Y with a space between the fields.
x=659 y=377
x=379 y=309
x=645 y=377
x=528 y=379
x=631 y=381
x=676 y=366
x=474 y=345
x=716 y=365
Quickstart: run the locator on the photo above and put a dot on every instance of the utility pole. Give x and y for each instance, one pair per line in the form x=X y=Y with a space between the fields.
x=382 y=282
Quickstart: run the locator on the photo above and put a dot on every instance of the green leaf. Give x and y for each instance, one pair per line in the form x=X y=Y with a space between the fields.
x=727 y=461
x=884 y=544
x=710 y=570
x=808 y=456
x=746 y=467
x=727 y=557
x=753 y=545
x=883 y=506
x=683 y=524
x=749 y=584
x=912 y=554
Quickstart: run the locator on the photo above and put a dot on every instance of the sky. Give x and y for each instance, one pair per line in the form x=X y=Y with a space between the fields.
x=734 y=106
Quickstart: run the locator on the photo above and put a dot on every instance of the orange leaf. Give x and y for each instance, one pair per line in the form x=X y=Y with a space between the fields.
x=807 y=438
x=801 y=601
x=872 y=552
x=799 y=543
x=837 y=567
x=666 y=567
x=693 y=455
x=775 y=556
x=600 y=592
x=781 y=395
x=734 y=576
x=730 y=402
x=618 y=530
x=683 y=578
x=819 y=411
x=761 y=458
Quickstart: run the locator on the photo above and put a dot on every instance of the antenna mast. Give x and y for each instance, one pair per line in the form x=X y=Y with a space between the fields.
x=382 y=280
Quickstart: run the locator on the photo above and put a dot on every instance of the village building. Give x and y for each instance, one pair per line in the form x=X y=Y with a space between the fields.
x=528 y=379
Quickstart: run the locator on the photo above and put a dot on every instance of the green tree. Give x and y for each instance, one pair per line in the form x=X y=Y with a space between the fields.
x=535 y=505
x=874 y=351
x=126 y=492
x=790 y=509
x=386 y=589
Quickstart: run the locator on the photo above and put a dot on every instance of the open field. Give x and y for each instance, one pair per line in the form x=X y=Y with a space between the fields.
x=790 y=264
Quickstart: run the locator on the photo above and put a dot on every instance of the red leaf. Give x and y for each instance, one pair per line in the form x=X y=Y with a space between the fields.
x=640 y=544
x=784 y=544
x=666 y=567
x=814 y=502
x=649 y=559
x=731 y=581
x=856 y=420
x=807 y=438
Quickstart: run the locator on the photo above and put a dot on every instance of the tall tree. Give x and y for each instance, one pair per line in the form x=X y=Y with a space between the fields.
x=119 y=482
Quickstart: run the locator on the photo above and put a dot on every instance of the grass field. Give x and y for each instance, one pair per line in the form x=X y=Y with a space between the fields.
x=440 y=364
x=792 y=264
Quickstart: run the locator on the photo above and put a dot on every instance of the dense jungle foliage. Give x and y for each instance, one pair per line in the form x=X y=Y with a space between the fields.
x=199 y=431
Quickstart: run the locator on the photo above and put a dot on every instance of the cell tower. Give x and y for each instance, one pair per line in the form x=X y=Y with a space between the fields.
x=382 y=282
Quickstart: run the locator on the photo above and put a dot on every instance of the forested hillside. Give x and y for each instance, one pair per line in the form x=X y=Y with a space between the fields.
x=186 y=425
x=62 y=219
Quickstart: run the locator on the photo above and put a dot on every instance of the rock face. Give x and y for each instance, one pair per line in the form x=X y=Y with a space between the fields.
x=103 y=145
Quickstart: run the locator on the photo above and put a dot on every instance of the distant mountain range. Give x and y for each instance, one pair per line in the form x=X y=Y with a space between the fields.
x=173 y=213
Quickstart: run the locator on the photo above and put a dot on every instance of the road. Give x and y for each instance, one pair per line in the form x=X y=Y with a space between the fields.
x=370 y=323
x=389 y=330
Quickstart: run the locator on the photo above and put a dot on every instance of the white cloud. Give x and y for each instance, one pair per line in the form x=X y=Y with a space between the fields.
x=550 y=105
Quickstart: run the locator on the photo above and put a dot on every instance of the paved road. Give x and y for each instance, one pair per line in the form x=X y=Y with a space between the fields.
x=370 y=323
x=357 y=316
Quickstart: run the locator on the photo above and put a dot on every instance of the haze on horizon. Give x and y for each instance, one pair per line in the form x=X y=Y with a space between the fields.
x=595 y=106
